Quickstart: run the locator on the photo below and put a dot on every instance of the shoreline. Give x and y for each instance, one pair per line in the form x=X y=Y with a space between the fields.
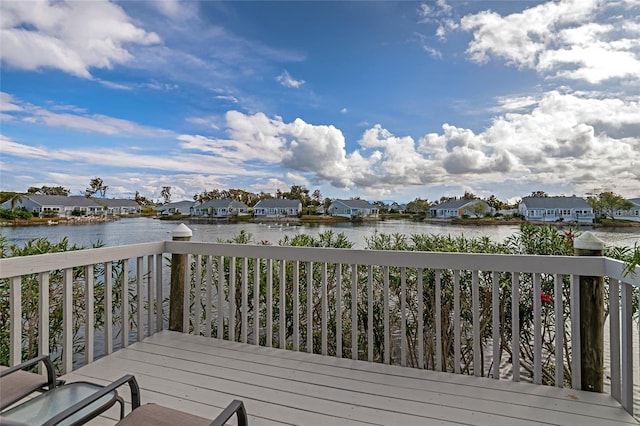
x=326 y=220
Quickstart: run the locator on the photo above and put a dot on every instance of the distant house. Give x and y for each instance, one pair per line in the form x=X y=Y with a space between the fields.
x=353 y=208
x=456 y=209
x=556 y=209
x=223 y=208
x=274 y=208
x=179 y=207
x=120 y=206
x=397 y=208
x=57 y=205
x=631 y=214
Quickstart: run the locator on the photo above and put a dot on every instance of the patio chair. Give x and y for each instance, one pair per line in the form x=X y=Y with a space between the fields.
x=15 y=383
x=153 y=414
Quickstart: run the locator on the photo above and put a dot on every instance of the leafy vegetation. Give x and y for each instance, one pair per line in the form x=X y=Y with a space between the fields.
x=531 y=239
x=606 y=204
x=30 y=285
x=320 y=303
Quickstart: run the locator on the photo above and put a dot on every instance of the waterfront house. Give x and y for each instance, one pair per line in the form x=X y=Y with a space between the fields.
x=57 y=205
x=222 y=208
x=353 y=208
x=556 y=209
x=179 y=207
x=397 y=208
x=631 y=214
x=120 y=206
x=275 y=208
x=456 y=209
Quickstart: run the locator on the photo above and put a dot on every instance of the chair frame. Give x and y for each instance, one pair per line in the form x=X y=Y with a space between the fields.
x=51 y=376
x=235 y=407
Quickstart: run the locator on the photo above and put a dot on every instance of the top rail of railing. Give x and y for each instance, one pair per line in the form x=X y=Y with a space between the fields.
x=585 y=265
x=23 y=265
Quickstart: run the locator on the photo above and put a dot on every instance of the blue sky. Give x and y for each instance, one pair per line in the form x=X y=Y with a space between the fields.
x=381 y=100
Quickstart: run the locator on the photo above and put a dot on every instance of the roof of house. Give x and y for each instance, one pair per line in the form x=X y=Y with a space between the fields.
x=176 y=205
x=555 y=203
x=277 y=202
x=454 y=204
x=118 y=202
x=223 y=203
x=63 y=200
x=635 y=201
x=356 y=204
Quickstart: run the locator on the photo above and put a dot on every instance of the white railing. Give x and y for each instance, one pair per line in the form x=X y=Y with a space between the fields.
x=463 y=313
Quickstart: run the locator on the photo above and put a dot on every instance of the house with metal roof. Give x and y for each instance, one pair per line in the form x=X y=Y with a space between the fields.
x=222 y=208
x=353 y=208
x=556 y=209
x=275 y=208
x=179 y=207
x=120 y=206
x=57 y=205
x=631 y=214
x=457 y=209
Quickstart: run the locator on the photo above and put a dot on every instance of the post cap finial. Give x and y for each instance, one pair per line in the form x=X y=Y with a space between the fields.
x=181 y=230
x=588 y=241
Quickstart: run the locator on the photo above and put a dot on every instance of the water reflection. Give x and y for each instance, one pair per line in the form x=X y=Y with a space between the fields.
x=141 y=230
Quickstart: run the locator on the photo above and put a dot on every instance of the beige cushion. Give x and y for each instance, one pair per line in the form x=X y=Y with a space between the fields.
x=157 y=415
x=17 y=385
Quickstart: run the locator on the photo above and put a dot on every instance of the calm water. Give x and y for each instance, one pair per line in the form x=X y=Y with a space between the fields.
x=141 y=230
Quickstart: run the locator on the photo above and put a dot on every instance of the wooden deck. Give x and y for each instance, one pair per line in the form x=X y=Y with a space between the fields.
x=201 y=376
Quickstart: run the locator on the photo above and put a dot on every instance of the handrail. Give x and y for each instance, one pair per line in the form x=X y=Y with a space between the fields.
x=586 y=265
x=23 y=265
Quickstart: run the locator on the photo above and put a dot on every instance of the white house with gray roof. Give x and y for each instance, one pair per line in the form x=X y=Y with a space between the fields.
x=120 y=206
x=556 y=209
x=179 y=207
x=352 y=208
x=222 y=208
x=631 y=214
x=456 y=209
x=275 y=208
x=57 y=205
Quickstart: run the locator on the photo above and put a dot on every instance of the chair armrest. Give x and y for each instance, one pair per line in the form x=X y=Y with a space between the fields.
x=51 y=374
x=236 y=407
x=127 y=379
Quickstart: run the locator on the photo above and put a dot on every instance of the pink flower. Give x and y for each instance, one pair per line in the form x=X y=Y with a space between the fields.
x=546 y=298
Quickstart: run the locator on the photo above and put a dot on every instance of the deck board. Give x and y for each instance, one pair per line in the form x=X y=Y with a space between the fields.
x=202 y=375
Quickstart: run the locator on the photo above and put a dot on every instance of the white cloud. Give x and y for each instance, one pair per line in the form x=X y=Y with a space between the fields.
x=560 y=39
x=175 y=9
x=421 y=39
x=229 y=98
x=76 y=119
x=287 y=81
x=72 y=36
x=555 y=138
x=7 y=103
x=440 y=14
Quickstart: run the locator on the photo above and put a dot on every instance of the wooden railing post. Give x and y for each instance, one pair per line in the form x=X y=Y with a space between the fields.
x=591 y=317
x=178 y=268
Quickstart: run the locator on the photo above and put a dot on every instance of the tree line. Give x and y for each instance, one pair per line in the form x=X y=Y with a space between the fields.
x=605 y=204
